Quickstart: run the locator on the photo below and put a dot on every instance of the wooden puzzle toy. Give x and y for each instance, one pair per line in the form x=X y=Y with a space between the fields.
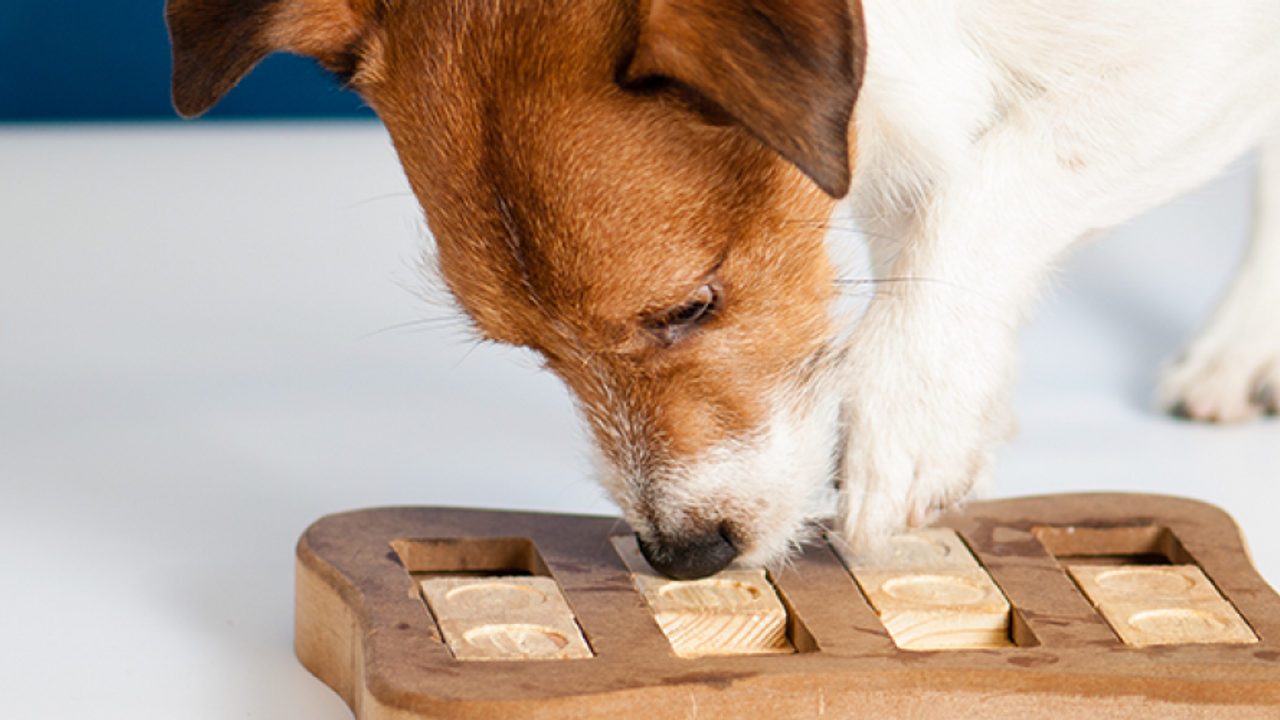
x=1070 y=606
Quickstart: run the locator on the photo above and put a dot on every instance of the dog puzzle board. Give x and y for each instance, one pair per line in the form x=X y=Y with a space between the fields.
x=529 y=587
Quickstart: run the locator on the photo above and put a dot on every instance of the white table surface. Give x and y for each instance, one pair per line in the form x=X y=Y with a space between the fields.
x=212 y=335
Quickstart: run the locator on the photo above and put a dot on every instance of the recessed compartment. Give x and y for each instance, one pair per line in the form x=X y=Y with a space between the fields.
x=734 y=612
x=493 y=599
x=1126 y=545
x=930 y=593
x=470 y=556
x=1146 y=585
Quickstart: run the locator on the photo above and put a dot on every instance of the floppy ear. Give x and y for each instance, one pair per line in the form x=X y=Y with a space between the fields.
x=786 y=70
x=217 y=42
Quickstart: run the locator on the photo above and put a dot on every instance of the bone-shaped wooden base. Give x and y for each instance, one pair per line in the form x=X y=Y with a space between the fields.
x=364 y=627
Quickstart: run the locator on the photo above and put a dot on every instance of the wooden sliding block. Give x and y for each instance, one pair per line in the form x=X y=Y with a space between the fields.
x=930 y=592
x=1149 y=583
x=735 y=612
x=1205 y=622
x=938 y=610
x=1161 y=605
x=929 y=549
x=504 y=618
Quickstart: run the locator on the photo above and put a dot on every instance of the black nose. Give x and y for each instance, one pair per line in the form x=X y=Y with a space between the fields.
x=689 y=556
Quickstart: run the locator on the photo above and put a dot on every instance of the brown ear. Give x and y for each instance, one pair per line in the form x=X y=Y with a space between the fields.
x=786 y=70
x=217 y=42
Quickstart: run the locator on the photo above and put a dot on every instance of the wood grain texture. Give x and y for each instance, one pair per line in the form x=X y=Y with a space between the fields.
x=938 y=610
x=930 y=592
x=504 y=618
x=363 y=628
x=1161 y=605
x=928 y=549
x=734 y=612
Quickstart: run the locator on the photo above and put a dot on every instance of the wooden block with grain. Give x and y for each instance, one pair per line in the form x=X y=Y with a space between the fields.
x=734 y=612
x=1161 y=605
x=504 y=618
x=928 y=549
x=930 y=592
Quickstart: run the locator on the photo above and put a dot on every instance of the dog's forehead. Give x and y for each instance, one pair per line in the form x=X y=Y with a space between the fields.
x=561 y=201
x=580 y=217
x=550 y=189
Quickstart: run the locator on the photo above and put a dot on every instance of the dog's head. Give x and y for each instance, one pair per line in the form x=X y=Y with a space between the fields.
x=636 y=189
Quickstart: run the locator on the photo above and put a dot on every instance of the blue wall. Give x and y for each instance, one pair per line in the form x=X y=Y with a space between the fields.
x=109 y=59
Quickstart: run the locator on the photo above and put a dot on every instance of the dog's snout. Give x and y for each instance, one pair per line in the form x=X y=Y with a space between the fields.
x=689 y=556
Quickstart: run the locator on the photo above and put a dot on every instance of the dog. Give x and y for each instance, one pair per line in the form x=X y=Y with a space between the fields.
x=640 y=191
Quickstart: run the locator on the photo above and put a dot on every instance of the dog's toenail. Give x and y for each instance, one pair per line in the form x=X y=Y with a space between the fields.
x=1264 y=396
x=1181 y=411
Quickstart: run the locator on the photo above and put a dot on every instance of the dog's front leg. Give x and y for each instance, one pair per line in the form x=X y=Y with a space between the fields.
x=930 y=366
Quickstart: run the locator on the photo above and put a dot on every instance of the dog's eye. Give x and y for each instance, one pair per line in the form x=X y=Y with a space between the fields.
x=700 y=306
x=672 y=324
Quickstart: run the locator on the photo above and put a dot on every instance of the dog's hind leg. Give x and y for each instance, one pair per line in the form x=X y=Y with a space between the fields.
x=1231 y=370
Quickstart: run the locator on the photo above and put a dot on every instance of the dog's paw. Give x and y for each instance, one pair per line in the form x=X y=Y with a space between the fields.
x=893 y=483
x=1222 y=384
x=918 y=442
x=1231 y=370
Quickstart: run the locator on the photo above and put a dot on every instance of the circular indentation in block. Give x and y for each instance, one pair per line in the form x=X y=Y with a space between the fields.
x=496 y=596
x=707 y=595
x=935 y=590
x=1191 y=623
x=913 y=549
x=516 y=640
x=1143 y=581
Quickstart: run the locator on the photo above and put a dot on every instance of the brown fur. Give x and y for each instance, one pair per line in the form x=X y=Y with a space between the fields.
x=587 y=166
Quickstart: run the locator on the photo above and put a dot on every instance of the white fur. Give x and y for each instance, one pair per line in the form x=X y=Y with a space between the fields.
x=992 y=135
x=1235 y=358
x=780 y=478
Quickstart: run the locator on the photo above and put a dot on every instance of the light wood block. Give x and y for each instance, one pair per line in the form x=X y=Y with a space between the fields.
x=928 y=549
x=953 y=609
x=1152 y=583
x=735 y=612
x=504 y=618
x=1161 y=605
x=930 y=592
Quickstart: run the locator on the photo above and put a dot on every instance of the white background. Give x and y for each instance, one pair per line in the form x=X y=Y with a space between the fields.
x=212 y=335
